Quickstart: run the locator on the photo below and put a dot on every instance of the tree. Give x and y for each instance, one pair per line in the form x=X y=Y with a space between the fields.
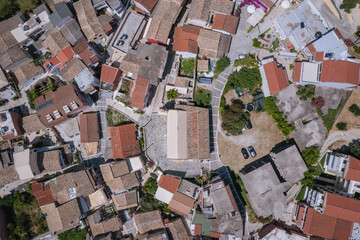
x=234 y=118
x=318 y=102
x=7 y=8
x=150 y=186
x=172 y=94
x=221 y=64
x=26 y=5
x=52 y=85
x=248 y=61
x=347 y=5
x=355 y=150
x=355 y=109
x=73 y=234
x=149 y=203
x=202 y=98
x=341 y=126
x=310 y=155
x=305 y=92
x=246 y=78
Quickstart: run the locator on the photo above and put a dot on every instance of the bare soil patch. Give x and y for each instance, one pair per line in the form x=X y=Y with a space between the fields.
x=263 y=137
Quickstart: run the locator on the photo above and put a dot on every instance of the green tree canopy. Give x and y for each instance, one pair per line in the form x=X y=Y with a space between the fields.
x=355 y=150
x=248 y=61
x=234 y=118
x=221 y=64
x=172 y=94
x=305 y=92
x=310 y=155
x=347 y=5
x=202 y=97
x=246 y=78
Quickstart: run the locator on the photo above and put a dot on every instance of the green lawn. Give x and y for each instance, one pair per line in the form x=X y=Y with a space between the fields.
x=329 y=119
x=301 y=194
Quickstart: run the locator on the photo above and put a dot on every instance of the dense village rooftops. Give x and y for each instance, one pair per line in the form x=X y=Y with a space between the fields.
x=61 y=15
x=65 y=55
x=185 y=39
x=353 y=172
x=110 y=76
x=88 y=20
x=169 y=183
x=85 y=52
x=55 y=107
x=177 y=229
x=225 y=23
x=27 y=72
x=71 y=69
x=164 y=16
x=49 y=161
x=148 y=221
x=201 y=10
x=13 y=58
x=89 y=127
x=42 y=192
x=124 y=142
x=9 y=125
x=125 y=200
x=71 y=185
x=109 y=225
x=72 y=32
x=147 y=5
x=55 y=42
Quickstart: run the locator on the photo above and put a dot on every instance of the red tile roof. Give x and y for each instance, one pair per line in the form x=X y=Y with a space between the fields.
x=198 y=229
x=88 y=57
x=342 y=207
x=65 y=55
x=215 y=235
x=109 y=74
x=340 y=72
x=300 y=215
x=80 y=46
x=169 y=183
x=185 y=39
x=89 y=127
x=148 y=4
x=311 y=48
x=226 y=23
x=326 y=226
x=319 y=56
x=123 y=141
x=54 y=62
x=297 y=72
x=353 y=172
x=43 y=195
x=338 y=34
x=139 y=93
x=276 y=77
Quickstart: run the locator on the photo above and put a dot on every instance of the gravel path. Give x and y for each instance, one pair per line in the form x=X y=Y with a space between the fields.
x=337 y=136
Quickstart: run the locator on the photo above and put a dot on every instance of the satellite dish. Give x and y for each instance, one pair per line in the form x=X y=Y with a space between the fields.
x=285 y=4
x=251 y=9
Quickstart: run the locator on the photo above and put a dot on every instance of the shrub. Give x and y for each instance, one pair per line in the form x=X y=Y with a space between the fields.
x=73 y=234
x=305 y=92
x=273 y=110
x=256 y=43
x=221 y=64
x=310 y=155
x=347 y=5
x=150 y=186
x=291 y=66
x=342 y=126
x=202 y=98
x=2 y=102
x=355 y=109
x=318 y=102
x=172 y=94
x=248 y=62
x=293 y=50
x=357 y=49
x=188 y=65
x=234 y=118
x=246 y=78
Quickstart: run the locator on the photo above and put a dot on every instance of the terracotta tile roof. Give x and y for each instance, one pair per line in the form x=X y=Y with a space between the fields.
x=80 y=46
x=276 y=77
x=297 y=72
x=148 y=4
x=340 y=72
x=197 y=229
x=54 y=62
x=185 y=39
x=65 y=55
x=109 y=74
x=326 y=226
x=300 y=215
x=58 y=100
x=319 y=56
x=181 y=204
x=311 y=48
x=88 y=56
x=89 y=127
x=353 y=172
x=139 y=93
x=71 y=69
x=342 y=207
x=268 y=3
x=42 y=194
x=123 y=141
x=338 y=34
x=55 y=42
x=109 y=225
x=49 y=160
x=125 y=200
x=169 y=183
x=215 y=235
x=226 y=23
